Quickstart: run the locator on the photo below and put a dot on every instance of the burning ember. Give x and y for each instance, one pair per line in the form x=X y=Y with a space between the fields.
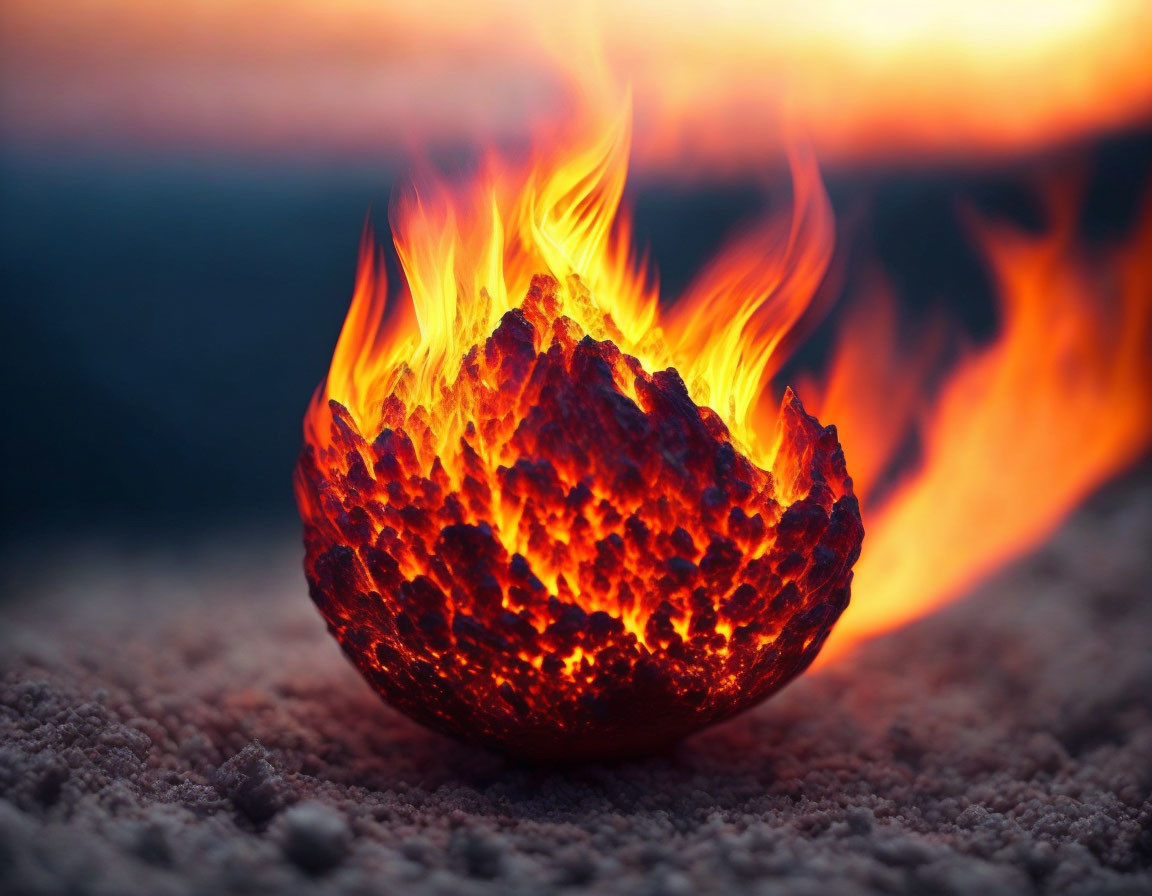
x=601 y=571
x=544 y=513
x=525 y=532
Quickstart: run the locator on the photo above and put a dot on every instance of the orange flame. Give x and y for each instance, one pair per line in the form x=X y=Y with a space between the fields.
x=1019 y=433
x=469 y=252
x=543 y=515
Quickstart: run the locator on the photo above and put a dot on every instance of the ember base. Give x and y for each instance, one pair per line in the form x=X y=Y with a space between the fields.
x=731 y=576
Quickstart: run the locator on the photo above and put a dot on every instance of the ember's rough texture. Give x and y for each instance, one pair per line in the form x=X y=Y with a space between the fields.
x=684 y=583
x=172 y=730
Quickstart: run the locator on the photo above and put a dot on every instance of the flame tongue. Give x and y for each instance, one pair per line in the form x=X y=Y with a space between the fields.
x=1020 y=430
x=594 y=569
x=469 y=253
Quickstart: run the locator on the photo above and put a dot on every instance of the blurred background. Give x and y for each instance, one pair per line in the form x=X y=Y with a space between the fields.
x=183 y=187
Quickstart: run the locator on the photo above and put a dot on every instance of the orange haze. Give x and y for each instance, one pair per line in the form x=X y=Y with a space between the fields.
x=714 y=83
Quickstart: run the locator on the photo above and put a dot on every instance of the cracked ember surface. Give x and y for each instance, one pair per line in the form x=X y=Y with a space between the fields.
x=179 y=723
x=594 y=569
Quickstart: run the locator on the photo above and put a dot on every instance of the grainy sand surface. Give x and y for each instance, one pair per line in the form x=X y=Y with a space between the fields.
x=173 y=726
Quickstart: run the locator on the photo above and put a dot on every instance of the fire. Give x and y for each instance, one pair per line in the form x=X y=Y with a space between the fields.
x=547 y=513
x=1018 y=434
x=542 y=515
x=470 y=254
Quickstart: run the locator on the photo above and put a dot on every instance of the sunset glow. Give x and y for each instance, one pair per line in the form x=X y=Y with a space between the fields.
x=716 y=85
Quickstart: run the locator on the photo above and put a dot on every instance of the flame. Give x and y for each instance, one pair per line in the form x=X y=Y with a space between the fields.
x=542 y=513
x=469 y=251
x=1018 y=434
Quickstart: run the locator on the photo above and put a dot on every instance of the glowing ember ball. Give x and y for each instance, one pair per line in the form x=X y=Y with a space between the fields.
x=594 y=570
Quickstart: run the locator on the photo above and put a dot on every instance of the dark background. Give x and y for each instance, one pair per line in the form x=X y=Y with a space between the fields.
x=165 y=320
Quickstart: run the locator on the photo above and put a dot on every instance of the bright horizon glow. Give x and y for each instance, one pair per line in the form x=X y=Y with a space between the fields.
x=715 y=84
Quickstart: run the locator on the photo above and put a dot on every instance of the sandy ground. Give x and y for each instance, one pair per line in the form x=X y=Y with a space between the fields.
x=170 y=726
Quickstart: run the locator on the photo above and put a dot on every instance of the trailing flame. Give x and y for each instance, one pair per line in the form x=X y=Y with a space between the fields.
x=1019 y=433
x=469 y=252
